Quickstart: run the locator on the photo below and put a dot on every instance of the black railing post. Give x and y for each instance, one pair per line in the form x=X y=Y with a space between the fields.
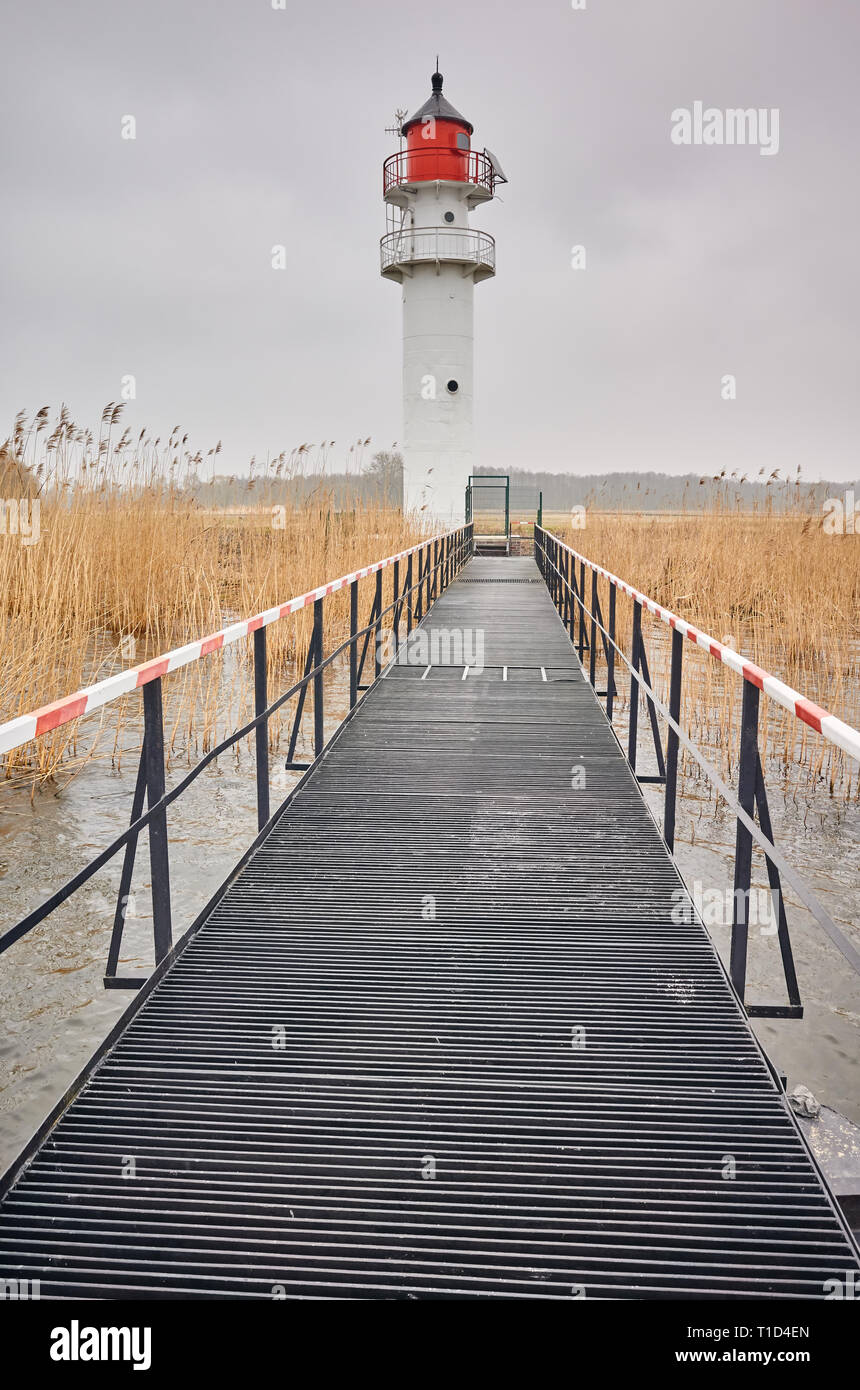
x=353 y=643
x=592 y=655
x=610 y=655
x=567 y=616
x=634 y=684
x=261 y=733
x=672 y=739
x=581 y=608
x=377 y=630
x=419 y=587
x=319 y=732
x=126 y=873
x=428 y=574
x=409 y=596
x=159 y=862
x=747 y=770
x=395 y=620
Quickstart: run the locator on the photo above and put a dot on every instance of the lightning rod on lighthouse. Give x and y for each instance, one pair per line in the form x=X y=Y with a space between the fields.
x=430 y=188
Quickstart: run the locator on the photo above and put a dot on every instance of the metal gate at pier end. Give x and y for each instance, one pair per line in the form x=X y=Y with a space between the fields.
x=492 y=529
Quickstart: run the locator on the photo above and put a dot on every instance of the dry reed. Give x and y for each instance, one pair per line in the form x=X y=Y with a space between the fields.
x=129 y=563
x=775 y=585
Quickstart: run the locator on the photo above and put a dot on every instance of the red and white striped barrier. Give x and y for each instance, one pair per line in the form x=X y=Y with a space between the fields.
x=28 y=726
x=833 y=729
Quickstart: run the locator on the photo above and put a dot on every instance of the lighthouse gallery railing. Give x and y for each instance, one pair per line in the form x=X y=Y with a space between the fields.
x=421 y=166
x=462 y=244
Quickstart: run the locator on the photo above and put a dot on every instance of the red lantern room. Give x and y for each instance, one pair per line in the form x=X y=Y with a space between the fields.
x=438 y=147
x=437 y=139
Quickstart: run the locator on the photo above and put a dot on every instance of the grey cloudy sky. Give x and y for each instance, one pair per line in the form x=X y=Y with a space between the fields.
x=258 y=126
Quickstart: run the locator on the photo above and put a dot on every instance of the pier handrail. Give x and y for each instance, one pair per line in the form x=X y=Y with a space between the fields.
x=835 y=730
x=557 y=562
x=438 y=559
x=25 y=727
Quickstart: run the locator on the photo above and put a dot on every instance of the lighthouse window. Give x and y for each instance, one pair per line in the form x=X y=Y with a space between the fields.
x=449 y=217
x=453 y=386
x=462 y=141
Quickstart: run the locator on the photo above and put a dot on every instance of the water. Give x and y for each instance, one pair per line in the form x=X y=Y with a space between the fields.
x=57 y=1012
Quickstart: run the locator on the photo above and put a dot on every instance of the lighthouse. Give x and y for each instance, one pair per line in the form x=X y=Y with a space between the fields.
x=430 y=187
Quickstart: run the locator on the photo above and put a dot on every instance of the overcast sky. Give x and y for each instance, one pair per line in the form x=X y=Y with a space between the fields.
x=259 y=126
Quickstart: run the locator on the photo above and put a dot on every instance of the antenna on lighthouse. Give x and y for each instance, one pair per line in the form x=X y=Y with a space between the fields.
x=397 y=128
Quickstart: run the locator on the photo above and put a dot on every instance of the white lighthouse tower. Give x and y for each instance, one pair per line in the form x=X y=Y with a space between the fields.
x=430 y=187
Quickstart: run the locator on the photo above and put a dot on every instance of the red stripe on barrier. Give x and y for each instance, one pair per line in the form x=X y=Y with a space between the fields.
x=60 y=712
x=151 y=670
x=255 y=623
x=754 y=674
x=810 y=713
x=212 y=644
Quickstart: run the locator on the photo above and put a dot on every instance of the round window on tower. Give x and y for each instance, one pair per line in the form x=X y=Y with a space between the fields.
x=449 y=217
x=453 y=386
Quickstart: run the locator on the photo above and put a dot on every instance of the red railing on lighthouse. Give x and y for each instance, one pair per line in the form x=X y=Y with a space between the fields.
x=424 y=166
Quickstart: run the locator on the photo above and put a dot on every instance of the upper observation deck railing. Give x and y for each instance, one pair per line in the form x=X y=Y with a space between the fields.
x=461 y=245
x=558 y=563
x=437 y=560
x=423 y=166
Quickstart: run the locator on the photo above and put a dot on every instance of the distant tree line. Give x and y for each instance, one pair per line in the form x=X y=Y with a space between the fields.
x=381 y=482
x=655 y=492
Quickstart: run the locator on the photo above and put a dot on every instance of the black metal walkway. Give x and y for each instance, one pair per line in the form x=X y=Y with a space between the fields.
x=442 y=1037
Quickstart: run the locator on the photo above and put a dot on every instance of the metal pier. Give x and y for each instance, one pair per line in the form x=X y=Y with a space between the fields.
x=442 y=1037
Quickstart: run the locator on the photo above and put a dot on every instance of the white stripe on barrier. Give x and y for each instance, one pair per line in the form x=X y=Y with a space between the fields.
x=25 y=727
x=834 y=730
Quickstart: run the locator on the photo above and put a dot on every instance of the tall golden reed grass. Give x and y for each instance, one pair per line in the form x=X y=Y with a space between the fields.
x=130 y=563
x=775 y=585
x=130 y=551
